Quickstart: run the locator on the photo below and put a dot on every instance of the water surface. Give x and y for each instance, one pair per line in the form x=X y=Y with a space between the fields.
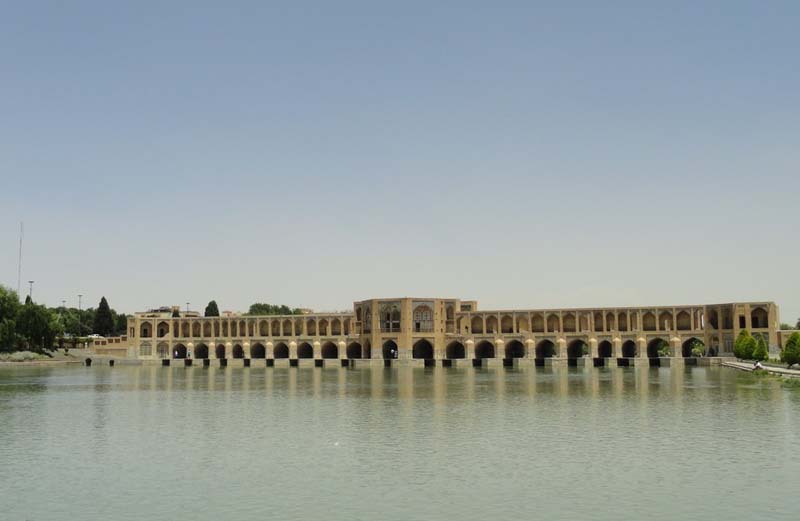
x=199 y=443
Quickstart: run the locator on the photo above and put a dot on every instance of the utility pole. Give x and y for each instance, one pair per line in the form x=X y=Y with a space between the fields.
x=80 y=319
x=30 y=290
x=187 y=307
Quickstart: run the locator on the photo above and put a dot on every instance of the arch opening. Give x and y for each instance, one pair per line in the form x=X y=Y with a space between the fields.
x=484 y=350
x=219 y=351
x=389 y=350
x=179 y=351
x=330 y=350
x=657 y=347
x=201 y=351
x=545 y=349
x=515 y=349
x=577 y=349
x=280 y=351
x=258 y=351
x=759 y=319
x=238 y=351
x=629 y=349
x=455 y=350
x=305 y=350
x=354 y=351
x=422 y=349
x=693 y=347
x=605 y=349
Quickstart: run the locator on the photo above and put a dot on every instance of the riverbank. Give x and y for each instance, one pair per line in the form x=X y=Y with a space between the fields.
x=58 y=357
x=769 y=368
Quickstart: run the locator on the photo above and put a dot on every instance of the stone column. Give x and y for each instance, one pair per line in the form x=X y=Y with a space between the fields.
x=593 y=347
x=617 y=343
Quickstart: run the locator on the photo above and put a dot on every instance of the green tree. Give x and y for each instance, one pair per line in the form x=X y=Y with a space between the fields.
x=261 y=308
x=761 y=351
x=797 y=324
x=211 y=309
x=784 y=326
x=103 y=319
x=9 y=309
x=121 y=324
x=791 y=351
x=37 y=326
x=744 y=345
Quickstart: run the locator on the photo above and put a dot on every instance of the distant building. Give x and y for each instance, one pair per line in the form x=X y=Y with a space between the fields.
x=452 y=329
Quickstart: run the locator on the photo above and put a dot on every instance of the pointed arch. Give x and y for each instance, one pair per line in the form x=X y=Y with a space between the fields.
x=201 y=351
x=455 y=350
x=629 y=349
x=145 y=330
x=759 y=318
x=219 y=351
x=422 y=349
x=281 y=350
x=330 y=350
x=605 y=349
x=649 y=321
x=476 y=325
x=238 y=351
x=683 y=320
x=689 y=344
x=305 y=350
x=545 y=349
x=491 y=324
x=537 y=323
x=553 y=324
x=515 y=349
x=354 y=351
x=506 y=324
x=389 y=350
x=655 y=346
x=162 y=329
x=577 y=348
x=523 y=325
x=179 y=351
x=258 y=350
x=569 y=322
x=484 y=349
x=665 y=321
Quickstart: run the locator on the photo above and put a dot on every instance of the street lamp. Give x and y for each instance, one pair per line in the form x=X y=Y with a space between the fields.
x=187 y=307
x=30 y=290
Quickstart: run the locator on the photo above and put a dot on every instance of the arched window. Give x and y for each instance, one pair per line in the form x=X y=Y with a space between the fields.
x=423 y=319
x=390 y=318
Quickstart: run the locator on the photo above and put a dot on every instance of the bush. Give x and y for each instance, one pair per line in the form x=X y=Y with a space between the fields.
x=20 y=356
x=744 y=345
x=761 y=352
x=791 y=351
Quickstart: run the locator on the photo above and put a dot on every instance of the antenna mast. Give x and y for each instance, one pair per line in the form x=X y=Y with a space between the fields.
x=19 y=262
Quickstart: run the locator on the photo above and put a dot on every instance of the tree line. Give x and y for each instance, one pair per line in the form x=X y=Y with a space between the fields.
x=749 y=347
x=259 y=308
x=35 y=327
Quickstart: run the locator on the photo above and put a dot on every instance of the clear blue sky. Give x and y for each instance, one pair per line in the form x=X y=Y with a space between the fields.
x=526 y=154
